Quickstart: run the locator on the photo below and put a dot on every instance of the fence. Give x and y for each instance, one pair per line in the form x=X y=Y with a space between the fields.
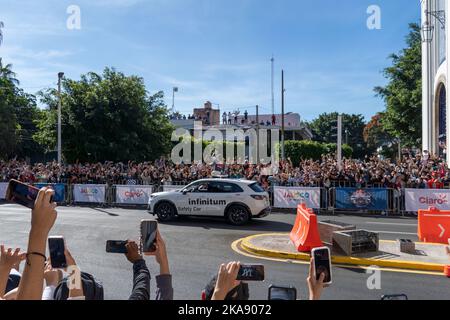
x=287 y=196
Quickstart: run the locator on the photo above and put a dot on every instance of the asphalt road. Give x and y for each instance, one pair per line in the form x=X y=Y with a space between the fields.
x=197 y=246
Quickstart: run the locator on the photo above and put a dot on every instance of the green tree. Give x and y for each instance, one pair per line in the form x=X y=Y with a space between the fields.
x=403 y=93
x=375 y=134
x=106 y=117
x=324 y=130
x=18 y=113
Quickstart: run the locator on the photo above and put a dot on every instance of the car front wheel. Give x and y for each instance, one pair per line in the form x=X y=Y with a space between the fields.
x=237 y=215
x=165 y=211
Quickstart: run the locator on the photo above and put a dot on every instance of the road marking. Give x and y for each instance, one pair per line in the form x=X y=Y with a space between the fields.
x=442 y=229
x=393 y=224
x=235 y=248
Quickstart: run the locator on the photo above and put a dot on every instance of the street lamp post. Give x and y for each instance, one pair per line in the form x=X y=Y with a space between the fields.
x=175 y=89
x=60 y=76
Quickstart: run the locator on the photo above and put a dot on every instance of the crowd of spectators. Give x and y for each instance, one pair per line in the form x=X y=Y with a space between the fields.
x=414 y=171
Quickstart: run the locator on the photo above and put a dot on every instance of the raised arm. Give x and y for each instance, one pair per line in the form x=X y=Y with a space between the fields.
x=164 y=286
x=42 y=219
x=8 y=258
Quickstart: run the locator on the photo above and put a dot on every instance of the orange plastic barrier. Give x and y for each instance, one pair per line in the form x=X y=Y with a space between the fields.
x=305 y=234
x=434 y=226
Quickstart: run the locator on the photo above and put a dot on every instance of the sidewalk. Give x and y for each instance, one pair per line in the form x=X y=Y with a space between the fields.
x=428 y=257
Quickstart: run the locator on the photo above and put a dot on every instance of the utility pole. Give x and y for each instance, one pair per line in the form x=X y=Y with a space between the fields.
x=399 y=150
x=339 y=142
x=257 y=134
x=60 y=75
x=282 y=116
x=273 y=79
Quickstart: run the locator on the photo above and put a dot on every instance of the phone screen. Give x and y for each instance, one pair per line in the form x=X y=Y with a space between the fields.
x=21 y=193
x=251 y=273
x=116 y=246
x=322 y=263
x=57 y=256
x=282 y=293
x=148 y=235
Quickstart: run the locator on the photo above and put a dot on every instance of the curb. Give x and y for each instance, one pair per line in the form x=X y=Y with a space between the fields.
x=395 y=264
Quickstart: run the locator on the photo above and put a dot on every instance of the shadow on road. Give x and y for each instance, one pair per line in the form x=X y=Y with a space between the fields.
x=219 y=223
x=104 y=211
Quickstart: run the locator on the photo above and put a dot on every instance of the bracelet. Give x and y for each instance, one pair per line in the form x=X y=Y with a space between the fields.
x=35 y=254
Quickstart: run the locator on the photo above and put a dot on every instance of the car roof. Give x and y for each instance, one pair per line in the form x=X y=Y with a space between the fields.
x=229 y=180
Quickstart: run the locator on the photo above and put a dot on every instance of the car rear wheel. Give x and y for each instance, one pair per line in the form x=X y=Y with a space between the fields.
x=237 y=215
x=165 y=211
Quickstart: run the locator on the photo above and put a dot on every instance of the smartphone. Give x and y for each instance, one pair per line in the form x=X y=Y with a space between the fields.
x=56 y=247
x=116 y=246
x=148 y=236
x=282 y=293
x=21 y=193
x=251 y=273
x=394 y=297
x=322 y=263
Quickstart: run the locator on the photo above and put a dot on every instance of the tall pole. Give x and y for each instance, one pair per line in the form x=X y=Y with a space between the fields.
x=399 y=150
x=282 y=116
x=257 y=134
x=60 y=75
x=339 y=143
x=273 y=85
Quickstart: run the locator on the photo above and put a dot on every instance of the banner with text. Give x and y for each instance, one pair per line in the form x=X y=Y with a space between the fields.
x=89 y=193
x=133 y=194
x=3 y=187
x=60 y=190
x=291 y=197
x=423 y=199
x=361 y=199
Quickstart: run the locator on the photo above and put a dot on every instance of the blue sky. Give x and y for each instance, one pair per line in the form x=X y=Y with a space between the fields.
x=217 y=50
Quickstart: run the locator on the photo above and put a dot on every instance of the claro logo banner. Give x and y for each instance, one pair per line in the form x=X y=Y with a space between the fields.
x=423 y=199
x=89 y=193
x=133 y=194
x=291 y=197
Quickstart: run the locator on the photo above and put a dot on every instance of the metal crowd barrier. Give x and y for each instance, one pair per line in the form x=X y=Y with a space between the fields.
x=396 y=203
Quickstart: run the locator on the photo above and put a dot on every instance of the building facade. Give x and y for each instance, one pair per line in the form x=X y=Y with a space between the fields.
x=435 y=77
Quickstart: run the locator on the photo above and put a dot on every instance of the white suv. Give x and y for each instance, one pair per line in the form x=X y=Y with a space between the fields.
x=236 y=200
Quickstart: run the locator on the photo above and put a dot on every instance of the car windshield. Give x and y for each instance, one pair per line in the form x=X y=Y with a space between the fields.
x=256 y=187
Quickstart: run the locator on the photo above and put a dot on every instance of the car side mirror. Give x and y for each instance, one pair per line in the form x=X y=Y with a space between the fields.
x=185 y=192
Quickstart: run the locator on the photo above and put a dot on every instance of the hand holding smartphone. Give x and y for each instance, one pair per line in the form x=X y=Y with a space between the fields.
x=56 y=247
x=148 y=236
x=251 y=273
x=22 y=193
x=322 y=264
x=116 y=246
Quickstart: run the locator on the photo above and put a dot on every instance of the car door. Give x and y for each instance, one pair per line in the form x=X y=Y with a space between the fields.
x=199 y=200
x=184 y=199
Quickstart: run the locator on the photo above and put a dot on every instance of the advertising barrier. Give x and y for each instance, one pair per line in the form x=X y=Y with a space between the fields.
x=60 y=190
x=422 y=199
x=434 y=226
x=291 y=197
x=3 y=187
x=89 y=193
x=361 y=199
x=133 y=194
x=305 y=234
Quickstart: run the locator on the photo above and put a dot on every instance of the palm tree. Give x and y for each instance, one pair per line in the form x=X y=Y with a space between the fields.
x=1 y=32
x=7 y=73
